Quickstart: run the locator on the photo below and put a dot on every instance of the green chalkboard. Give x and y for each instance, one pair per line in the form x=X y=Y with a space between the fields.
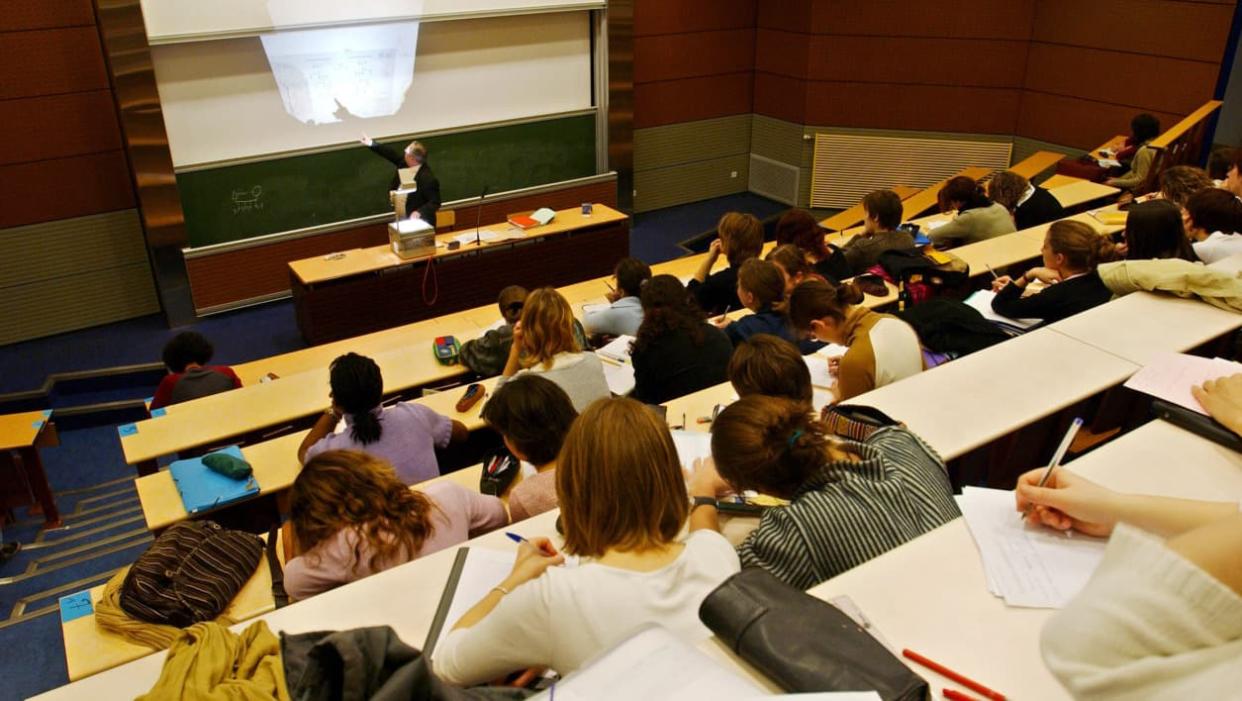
x=242 y=201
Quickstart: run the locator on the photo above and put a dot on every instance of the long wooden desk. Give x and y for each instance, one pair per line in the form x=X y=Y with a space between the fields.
x=1081 y=192
x=368 y=289
x=929 y=197
x=1036 y=163
x=21 y=436
x=854 y=215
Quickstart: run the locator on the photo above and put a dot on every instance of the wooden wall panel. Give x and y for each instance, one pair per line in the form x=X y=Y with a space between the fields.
x=22 y=15
x=912 y=107
x=1147 y=82
x=61 y=188
x=680 y=16
x=691 y=99
x=56 y=126
x=785 y=15
x=50 y=62
x=924 y=61
x=1190 y=30
x=783 y=53
x=979 y=19
x=1074 y=121
x=675 y=56
x=781 y=97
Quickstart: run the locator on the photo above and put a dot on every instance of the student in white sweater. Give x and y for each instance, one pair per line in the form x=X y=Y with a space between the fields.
x=544 y=343
x=623 y=505
x=1161 y=618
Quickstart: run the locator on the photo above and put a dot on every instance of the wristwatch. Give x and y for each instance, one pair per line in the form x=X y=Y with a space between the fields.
x=696 y=502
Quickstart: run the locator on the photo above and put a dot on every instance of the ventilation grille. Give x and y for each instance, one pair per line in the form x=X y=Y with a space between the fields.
x=846 y=167
x=773 y=179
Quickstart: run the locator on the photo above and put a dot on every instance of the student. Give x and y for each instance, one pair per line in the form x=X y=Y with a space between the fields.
x=351 y=517
x=625 y=311
x=1071 y=252
x=1137 y=152
x=487 y=354
x=189 y=376
x=675 y=351
x=544 y=343
x=799 y=228
x=881 y=348
x=1213 y=223
x=1220 y=160
x=623 y=505
x=849 y=502
x=1154 y=230
x=793 y=265
x=1178 y=183
x=770 y=366
x=1030 y=205
x=739 y=238
x=978 y=218
x=1233 y=176
x=532 y=415
x=761 y=288
x=882 y=212
x=405 y=434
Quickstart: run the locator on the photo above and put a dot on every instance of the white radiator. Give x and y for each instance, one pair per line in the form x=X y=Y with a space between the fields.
x=774 y=179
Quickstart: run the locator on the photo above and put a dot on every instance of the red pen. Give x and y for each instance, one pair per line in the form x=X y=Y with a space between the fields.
x=945 y=671
x=955 y=695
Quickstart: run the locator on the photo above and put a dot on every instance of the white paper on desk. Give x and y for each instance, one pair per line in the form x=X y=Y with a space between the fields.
x=1029 y=566
x=691 y=446
x=981 y=301
x=484 y=569
x=825 y=696
x=1171 y=376
x=1108 y=162
x=484 y=235
x=619 y=376
x=934 y=224
x=653 y=665
x=410 y=226
x=618 y=349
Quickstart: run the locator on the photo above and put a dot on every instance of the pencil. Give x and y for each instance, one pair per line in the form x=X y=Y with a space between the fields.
x=994 y=275
x=946 y=672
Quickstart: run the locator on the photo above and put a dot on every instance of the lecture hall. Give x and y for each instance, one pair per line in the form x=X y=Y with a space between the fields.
x=621 y=349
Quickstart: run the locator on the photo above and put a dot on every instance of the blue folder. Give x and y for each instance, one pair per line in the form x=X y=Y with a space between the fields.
x=920 y=239
x=203 y=489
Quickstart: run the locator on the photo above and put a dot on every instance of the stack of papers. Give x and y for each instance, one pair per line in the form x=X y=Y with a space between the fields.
x=981 y=302
x=618 y=350
x=485 y=236
x=1171 y=376
x=691 y=446
x=410 y=226
x=1027 y=566
x=617 y=368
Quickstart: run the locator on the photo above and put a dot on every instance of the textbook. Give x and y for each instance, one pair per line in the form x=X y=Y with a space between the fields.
x=539 y=217
x=475 y=572
x=203 y=489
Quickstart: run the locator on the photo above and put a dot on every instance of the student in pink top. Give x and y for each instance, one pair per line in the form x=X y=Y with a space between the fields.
x=351 y=517
x=532 y=414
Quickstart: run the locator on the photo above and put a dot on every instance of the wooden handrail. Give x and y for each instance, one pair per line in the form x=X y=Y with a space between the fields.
x=1180 y=129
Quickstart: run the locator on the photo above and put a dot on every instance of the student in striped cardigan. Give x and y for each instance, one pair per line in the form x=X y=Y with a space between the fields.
x=849 y=502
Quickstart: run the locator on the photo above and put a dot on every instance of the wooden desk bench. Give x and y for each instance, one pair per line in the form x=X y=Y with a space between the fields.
x=1036 y=163
x=21 y=436
x=854 y=215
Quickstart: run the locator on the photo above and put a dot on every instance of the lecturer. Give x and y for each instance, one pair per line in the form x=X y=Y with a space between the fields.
x=425 y=201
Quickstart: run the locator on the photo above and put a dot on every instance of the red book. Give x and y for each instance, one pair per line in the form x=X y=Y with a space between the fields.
x=522 y=221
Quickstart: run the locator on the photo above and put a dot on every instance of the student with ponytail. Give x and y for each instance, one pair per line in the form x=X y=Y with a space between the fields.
x=881 y=348
x=405 y=434
x=849 y=502
x=1071 y=252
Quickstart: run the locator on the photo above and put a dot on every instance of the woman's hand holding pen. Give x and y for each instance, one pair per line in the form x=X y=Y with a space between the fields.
x=1067 y=501
x=533 y=558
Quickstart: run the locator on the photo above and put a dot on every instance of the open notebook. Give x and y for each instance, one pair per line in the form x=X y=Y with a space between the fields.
x=981 y=302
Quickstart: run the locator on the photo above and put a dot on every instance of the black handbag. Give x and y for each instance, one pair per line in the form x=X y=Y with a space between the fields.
x=802 y=643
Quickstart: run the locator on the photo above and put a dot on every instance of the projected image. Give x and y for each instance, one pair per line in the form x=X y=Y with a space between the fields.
x=341 y=73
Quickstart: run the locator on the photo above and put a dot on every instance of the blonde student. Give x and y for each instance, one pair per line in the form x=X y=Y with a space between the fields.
x=544 y=343
x=623 y=506
x=1071 y=252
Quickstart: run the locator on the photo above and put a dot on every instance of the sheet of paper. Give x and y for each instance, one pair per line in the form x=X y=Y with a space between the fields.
x=1171 y=376
x=820 y=376
x=618 y=349
x=652 y=665
x=483 y=570
x=1108 y=162
x=935 y=224
x=484 y=235
x=849 y=608
x=825 y=696
x=409 y=226
x=981 y=301
x=691 y=446
x=1028 y=566
x=620 y=377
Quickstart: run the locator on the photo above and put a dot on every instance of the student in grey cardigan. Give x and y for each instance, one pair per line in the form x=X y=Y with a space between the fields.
x=978 y=218
x=624 y=314
x=544 y=343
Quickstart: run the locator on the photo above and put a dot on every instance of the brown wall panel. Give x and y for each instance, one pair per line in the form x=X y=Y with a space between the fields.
x=913 y=107
x=786 y=15
x=62 y=188
x=1076 y=122
x=45 y=14
x=50 y=62
x=933 y=61
x=57 y=126
x=780 y=97
x=674 y=56
x=1146 y=82
x=678 y=16
x=783 y=53
x=1191 y=30
x=987 y=19
x=690 y=99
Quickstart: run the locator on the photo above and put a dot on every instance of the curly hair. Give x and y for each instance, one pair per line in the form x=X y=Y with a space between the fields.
x=341 y=489
x=798 y=226
x=667 y=307
x=547 y=327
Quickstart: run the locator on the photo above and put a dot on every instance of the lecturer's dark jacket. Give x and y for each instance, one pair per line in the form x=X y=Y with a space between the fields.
x=427 y=198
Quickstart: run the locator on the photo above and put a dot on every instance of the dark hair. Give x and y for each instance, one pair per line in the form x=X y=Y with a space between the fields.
x=771 y=366
x=743 y=234
x=1006 y=188
x=1220 y=160
x=1178 y=183
x=768 y=444
x=816 y=299
x=1144 y=127
x=798 y=227
x=1154 y=230
x=185 y=348
x=511 y=300
x=667 y=307
x=762 y=279
x=533 y=413
x=1081 y=245
x=358 y=388
x=963 y=189
x=631 y=274
x=1215 y=210
x=885 y=207
x=791 y=259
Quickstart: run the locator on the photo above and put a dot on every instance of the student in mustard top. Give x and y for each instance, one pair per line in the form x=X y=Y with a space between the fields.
x=739 y=238
x=978 y=218
x=544 y=342
x=676 y=351
x=761 y=288
x=486 y=355
x=848 y=502
x=532 y=415
x=881 y=348
x=1137 y=154
x=1214 y=223
x=1154 y=231
x=770 y=366
x=1178 y=183
x=623 y=507
x=189 y=376
x=625 y=311
x=882 y=211
x=799 y=228
x=794 y=267
x=405 y=434
x=351 y=517
x=1029 y=204
x=1071 y=252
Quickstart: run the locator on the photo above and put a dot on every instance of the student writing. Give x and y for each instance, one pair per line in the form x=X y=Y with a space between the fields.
x=1071 y=252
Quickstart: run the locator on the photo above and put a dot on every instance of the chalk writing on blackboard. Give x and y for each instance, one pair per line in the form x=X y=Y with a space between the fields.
x=247 y=200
